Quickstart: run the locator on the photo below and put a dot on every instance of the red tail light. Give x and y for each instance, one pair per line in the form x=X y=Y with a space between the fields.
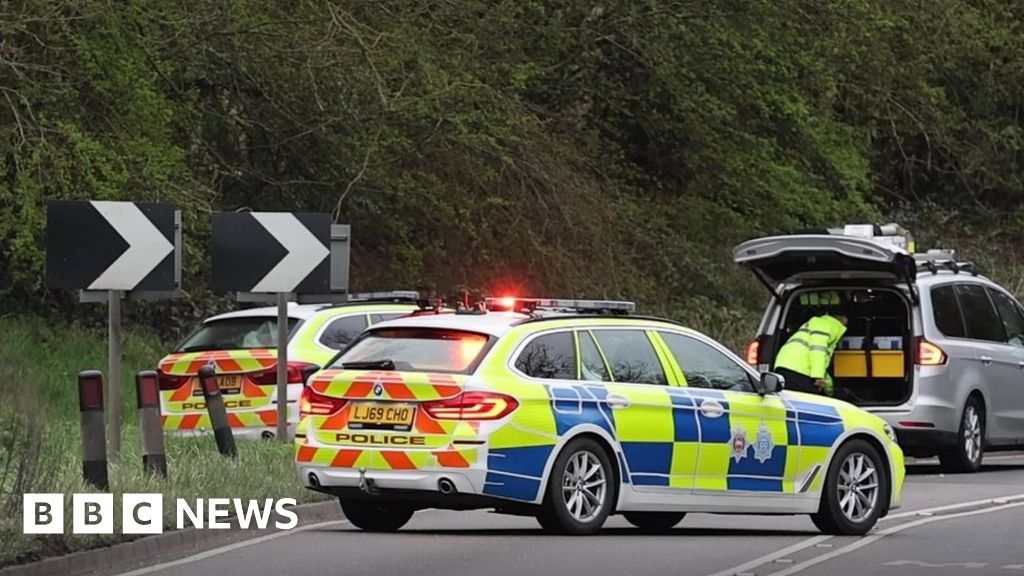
x=169 y=381
x=311 y=402
x=754 y=352
x=297 y=372
x=929 y=354
x=472 y=406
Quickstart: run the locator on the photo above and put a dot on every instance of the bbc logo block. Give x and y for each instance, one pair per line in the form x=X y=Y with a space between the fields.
x=93 y=513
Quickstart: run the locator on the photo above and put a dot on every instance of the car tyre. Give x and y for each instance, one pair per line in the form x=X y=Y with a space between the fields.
x=374 y=516
x=581 y=489
x=855 y=491
x=654 y=522
x=966 y=456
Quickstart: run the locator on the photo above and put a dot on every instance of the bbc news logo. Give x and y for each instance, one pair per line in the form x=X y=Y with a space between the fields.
x=144 y=513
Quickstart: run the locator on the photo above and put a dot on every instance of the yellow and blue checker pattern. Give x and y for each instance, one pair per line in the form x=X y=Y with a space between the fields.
x=667 y=440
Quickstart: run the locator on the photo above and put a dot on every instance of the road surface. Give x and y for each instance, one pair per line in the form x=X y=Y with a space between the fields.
x=949 y=524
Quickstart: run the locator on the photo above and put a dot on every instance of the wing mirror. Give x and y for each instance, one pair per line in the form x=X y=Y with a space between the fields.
x=770 y=383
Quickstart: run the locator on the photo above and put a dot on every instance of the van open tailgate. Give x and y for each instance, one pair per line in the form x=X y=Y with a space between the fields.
x=798 y=258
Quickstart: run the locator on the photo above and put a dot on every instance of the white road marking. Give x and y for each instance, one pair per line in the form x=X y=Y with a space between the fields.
x=867 y=540
x=820 y=541
x=228 y=548
x=922 y=564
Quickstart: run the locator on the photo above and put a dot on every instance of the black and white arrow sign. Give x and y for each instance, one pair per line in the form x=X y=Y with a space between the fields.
x=103 y=245
x=280 y=252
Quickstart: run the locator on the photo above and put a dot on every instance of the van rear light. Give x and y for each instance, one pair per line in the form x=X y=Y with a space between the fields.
x=929 y=354
x=313 y=403
x=754 y=352
x=170 y=381
x=297 y=373
x=472 y=406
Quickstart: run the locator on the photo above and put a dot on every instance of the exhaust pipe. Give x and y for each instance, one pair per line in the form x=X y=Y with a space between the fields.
x=446 y=486
x=267 y=435
x=313 y=480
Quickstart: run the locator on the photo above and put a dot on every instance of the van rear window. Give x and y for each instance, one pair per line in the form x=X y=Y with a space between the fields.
x=417 y=350
x=946 y=312
x=982 y=321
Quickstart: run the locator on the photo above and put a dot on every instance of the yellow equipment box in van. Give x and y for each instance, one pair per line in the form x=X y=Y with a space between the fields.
x=854 y=363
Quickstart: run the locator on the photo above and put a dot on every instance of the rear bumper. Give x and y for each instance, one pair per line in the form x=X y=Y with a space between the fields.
x=337 y=480
x=925 y=442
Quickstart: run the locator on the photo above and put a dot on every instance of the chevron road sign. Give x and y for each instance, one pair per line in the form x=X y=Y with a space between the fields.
x=271 y=252
x=103 y=245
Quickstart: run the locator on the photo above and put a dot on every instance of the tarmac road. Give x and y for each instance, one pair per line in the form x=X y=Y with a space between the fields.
x=949 y=524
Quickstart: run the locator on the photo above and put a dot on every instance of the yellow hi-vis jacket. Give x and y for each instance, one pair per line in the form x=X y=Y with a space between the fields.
x=809 y=350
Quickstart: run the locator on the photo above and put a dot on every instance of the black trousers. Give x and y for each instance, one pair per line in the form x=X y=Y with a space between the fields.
x=797 y=381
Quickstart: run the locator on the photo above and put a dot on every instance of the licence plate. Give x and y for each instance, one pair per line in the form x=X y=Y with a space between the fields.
x=228 y=385
x=382 y=415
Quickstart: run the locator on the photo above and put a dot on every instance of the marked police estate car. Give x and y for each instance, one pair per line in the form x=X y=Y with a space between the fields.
x=574 y=415
x=243 y=347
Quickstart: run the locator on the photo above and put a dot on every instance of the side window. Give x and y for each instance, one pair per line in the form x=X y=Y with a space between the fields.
x=549 y=356
x=706 y=367
x=631 y=356
x=982 y=321
x=592 y=363
x=1009 y=313
x=385 y=316
x=946 y=312
x=341 y=331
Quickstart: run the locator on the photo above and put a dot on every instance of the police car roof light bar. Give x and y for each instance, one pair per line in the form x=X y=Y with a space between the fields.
x=529 y=305
x=386 y=296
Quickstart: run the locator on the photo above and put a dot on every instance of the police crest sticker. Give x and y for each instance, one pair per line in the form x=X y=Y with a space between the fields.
x=738 y=444
x=763 y=445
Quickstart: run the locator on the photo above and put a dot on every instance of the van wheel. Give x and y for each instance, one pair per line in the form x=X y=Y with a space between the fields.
x=970 y=444
x=654 y=521
x=374 y=517
x=580 y=491
x=855 y=491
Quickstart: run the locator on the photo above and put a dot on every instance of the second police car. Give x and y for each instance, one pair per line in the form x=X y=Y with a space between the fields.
x=242 y=345
x=576 y=415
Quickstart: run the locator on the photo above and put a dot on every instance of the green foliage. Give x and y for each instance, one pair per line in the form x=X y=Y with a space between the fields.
x=545 y=146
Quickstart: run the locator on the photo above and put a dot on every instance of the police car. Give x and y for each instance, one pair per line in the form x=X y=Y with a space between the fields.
x=242 y=345
x=570 y=411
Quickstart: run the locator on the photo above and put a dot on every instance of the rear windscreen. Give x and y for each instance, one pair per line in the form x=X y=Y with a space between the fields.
x=236 y=334
x=417 y=350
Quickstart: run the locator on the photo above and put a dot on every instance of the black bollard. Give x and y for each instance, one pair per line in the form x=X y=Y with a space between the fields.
x=218 y=414
x=94 y=436
x=147 y=392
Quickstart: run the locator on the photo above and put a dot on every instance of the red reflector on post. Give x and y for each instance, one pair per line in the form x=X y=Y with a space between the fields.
x=90 y=390
x=208 y=380
x=147 y=390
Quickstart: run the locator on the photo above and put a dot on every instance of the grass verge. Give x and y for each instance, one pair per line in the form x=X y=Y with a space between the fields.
x=40 y=443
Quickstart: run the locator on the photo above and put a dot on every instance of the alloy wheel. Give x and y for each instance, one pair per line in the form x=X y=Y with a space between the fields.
x=858 y=487
x=584 y=486
x=972 y=433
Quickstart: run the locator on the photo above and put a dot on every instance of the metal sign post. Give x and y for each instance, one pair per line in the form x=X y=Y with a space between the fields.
x=110 y=251
x=273 y=256
x=114 y=370
x=282 y=365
